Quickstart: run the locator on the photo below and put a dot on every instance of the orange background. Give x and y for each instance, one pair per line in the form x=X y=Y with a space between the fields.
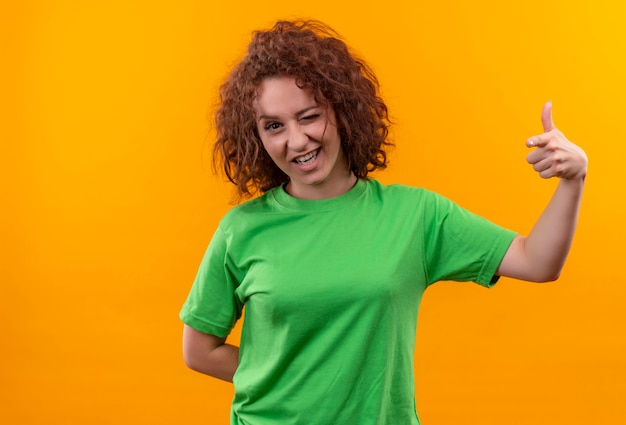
x=108 y=201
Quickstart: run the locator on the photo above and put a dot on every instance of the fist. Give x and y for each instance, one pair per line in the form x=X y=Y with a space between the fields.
x=554 y=155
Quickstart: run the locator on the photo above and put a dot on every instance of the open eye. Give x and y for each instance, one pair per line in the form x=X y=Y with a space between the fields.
x=272 y=126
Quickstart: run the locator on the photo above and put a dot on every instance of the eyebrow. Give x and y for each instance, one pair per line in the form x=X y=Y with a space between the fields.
x=300 y=112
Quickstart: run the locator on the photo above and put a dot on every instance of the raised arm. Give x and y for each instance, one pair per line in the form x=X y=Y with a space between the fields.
x=540 y=256
x=209 y=354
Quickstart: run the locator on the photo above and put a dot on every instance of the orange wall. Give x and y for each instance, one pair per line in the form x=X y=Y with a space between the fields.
x=108 y=201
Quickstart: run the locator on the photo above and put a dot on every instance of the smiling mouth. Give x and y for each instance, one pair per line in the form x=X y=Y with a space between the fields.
x=308 y=158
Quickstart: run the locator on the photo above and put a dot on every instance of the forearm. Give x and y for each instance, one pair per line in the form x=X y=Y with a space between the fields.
x=540 y=256
x=548 y=244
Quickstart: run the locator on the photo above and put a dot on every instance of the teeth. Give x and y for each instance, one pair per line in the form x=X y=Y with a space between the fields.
x=308 y=158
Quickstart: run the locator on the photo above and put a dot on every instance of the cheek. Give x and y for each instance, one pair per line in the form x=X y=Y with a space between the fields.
x=272 y=147
x=326 y=131
x=332 y=136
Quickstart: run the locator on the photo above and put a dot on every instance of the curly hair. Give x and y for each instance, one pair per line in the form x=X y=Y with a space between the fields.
x=313 y=54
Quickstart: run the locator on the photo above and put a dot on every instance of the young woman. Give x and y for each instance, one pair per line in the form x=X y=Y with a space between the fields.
x=330 y=264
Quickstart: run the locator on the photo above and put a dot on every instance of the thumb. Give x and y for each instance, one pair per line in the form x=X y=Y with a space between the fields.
x=546 y=117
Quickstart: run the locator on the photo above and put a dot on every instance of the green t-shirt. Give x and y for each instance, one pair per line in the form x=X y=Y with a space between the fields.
x=331 y=290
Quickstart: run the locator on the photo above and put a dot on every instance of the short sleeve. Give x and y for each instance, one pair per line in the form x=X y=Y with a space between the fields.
x=212 y=306
x=460 y=245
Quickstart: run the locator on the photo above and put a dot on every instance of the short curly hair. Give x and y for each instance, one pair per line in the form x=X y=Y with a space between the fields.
x=313 y=54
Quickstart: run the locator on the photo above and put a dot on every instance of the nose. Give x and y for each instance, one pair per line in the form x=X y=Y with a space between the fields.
x=297 y=139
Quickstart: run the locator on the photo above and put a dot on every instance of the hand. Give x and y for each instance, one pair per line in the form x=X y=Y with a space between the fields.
x=555 y=156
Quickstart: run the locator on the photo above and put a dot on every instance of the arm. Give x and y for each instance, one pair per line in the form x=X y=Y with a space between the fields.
x=540 y=256
x=209 y=354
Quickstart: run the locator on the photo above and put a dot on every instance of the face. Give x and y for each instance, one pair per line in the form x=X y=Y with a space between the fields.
x=301 y=137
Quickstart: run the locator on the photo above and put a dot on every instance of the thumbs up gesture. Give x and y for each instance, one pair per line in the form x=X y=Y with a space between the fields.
x=555 y=156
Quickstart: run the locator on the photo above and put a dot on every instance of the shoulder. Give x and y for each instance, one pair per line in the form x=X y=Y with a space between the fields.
x=416 y=203
x=248 y=212
x=401 y=193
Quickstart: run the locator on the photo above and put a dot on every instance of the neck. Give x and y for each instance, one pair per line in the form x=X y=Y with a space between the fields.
x=323 y=190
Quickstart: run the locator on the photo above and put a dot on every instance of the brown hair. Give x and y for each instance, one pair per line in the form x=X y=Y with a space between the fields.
x=314 y=55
